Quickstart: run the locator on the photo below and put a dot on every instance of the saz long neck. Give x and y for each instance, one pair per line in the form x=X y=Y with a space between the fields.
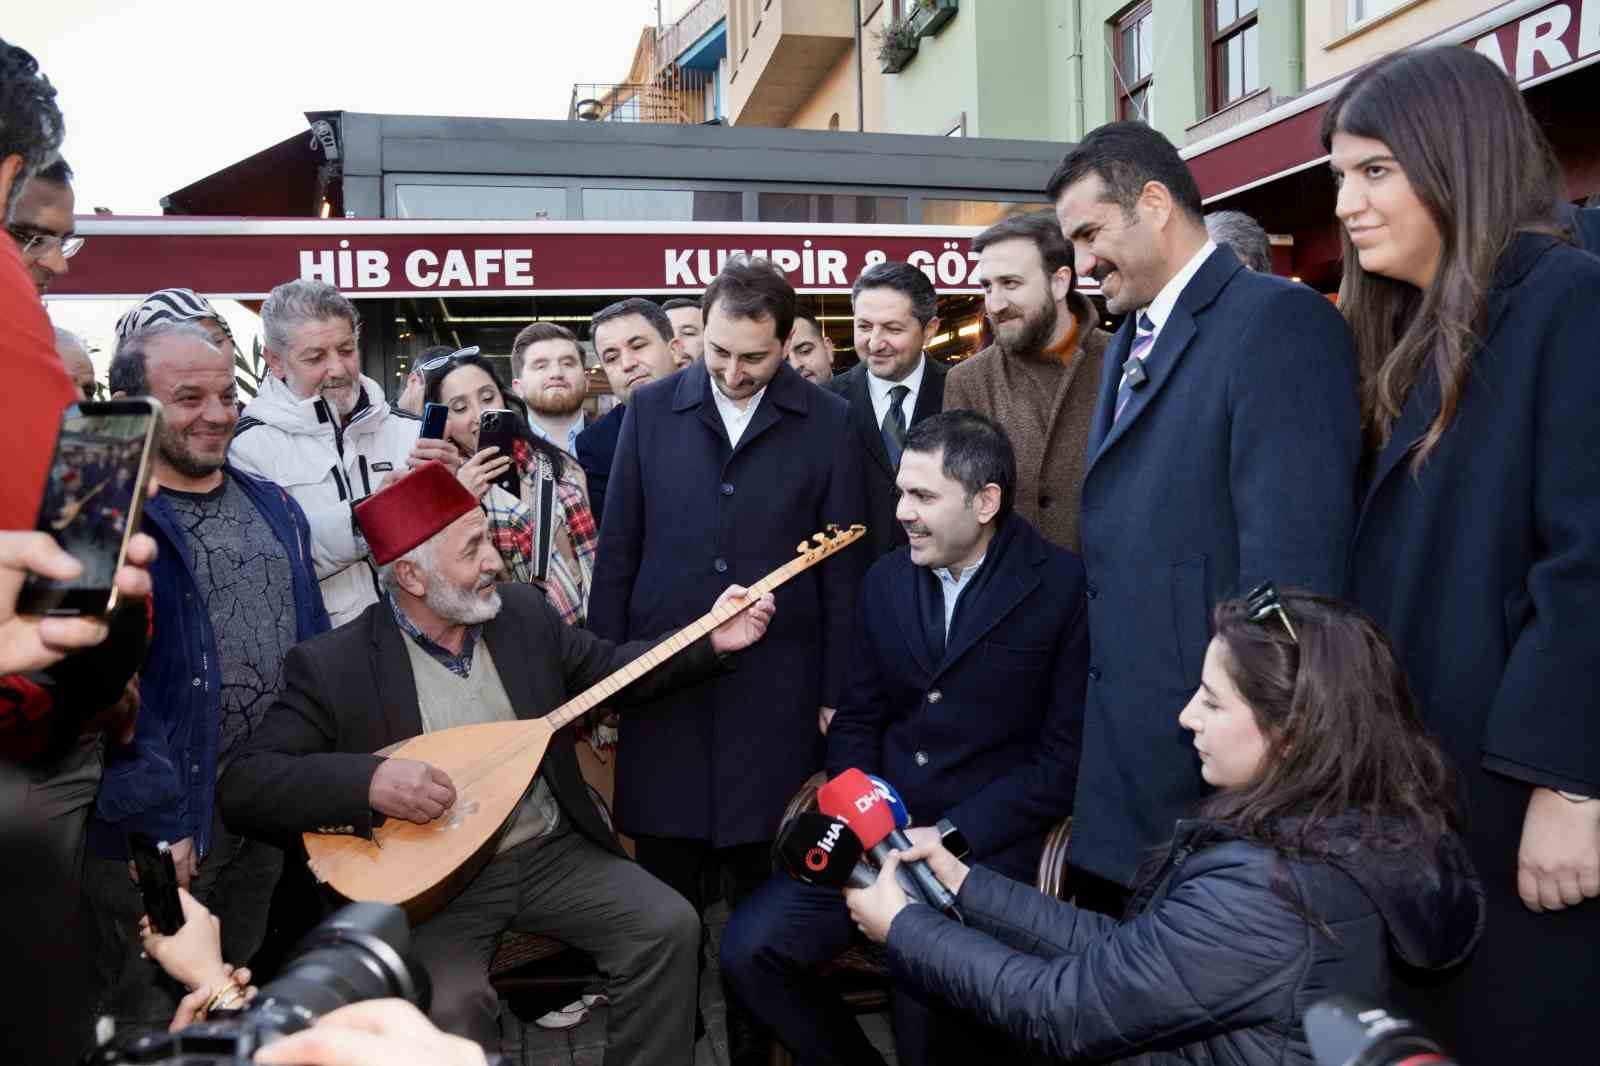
x=610 y=685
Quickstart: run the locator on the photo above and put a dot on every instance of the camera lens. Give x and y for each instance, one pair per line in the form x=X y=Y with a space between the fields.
x=357 y=954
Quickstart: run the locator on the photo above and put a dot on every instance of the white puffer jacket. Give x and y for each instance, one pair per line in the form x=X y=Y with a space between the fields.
x=326 y=468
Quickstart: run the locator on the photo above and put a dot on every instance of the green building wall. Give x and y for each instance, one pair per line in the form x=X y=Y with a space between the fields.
x=1042 y=69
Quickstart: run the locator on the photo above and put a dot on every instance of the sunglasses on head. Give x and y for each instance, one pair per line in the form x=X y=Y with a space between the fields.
x=445 y=360
x=1262 y=602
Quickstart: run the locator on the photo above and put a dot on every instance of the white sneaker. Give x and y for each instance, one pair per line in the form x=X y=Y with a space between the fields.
x=573 y=1014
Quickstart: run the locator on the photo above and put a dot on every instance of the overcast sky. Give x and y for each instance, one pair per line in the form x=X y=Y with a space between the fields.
x=160 y=93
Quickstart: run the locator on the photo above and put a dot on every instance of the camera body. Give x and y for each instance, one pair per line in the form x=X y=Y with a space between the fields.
x=361 y=952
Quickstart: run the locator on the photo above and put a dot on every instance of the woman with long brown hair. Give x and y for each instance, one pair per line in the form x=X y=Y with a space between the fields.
x=1328 y=847
x=1478 y=544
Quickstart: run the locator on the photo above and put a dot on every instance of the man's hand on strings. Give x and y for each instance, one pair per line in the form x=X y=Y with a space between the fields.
x=747 y=627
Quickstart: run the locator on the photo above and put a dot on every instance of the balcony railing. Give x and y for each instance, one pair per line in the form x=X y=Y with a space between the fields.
x=690 y=27
x=677 y=96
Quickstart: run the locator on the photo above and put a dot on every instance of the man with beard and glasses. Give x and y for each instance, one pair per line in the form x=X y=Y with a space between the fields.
x=1040 y=378
x=234 y=588
x=894 y=387
x=449 y=648
x=323 y=430
x=548 y=365
x=1222 y=453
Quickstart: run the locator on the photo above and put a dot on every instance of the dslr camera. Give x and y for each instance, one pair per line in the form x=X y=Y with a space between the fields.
x=360 y=952
x=1344 y=1031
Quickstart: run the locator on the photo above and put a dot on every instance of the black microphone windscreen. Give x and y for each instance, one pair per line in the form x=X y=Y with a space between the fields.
x=818 y=850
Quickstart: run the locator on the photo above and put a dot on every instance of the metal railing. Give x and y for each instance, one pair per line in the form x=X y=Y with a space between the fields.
x=690 y=27
x=677 y=96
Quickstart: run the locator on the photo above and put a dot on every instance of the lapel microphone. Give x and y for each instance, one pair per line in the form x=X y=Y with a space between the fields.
x=1134 y=369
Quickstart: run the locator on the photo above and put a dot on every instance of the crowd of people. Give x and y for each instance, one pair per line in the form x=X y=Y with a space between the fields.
x=1279 y=599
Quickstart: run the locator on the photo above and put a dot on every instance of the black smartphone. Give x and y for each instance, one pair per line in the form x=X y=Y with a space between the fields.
x=92 y=502
x=158 y=883
x=497 y=428
x=433 y=419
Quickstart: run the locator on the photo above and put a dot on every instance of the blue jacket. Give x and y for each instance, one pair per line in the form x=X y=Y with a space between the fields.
x=986 y=736
x=686 y=516
x=1215 y=962
x=164 y=783
x=597 y=448
x=1234 y=463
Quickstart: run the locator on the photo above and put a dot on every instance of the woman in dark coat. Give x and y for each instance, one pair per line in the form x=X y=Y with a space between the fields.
x=1478 y=544
x=1329 y=846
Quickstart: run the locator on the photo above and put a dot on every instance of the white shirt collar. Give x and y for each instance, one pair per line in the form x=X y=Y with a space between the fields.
x=569 y=439
x=953 y=587
x=878 y=389
x=734 y=420
x=1161 y=307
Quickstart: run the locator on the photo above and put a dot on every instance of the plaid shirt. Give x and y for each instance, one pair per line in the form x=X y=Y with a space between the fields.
x=514 y=531
x=460 y=665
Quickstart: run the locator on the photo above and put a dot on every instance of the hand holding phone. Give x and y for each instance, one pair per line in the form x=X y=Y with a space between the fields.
x=158 y=883
x=497 y=428
x=93 y=502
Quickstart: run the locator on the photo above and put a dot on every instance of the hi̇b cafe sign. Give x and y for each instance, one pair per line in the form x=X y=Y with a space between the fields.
x=244 y=259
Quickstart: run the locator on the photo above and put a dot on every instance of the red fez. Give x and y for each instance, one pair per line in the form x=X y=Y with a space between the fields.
x=409 y=511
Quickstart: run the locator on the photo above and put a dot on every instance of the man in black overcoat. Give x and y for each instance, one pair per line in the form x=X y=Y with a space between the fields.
x=721 y=470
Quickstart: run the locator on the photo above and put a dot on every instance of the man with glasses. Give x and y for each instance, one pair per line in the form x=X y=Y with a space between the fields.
x=41 y=224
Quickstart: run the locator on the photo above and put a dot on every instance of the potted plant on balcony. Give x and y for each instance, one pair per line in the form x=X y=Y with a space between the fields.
x=929 y=16
x=897 y=44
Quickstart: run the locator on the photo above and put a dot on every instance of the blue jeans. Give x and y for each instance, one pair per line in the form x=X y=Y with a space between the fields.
x=771 y=950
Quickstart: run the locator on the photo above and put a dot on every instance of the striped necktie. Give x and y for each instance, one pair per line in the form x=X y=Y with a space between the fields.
x=894 y=424
x=1133 y=374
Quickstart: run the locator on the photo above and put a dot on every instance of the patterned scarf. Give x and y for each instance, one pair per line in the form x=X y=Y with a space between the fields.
x=572 y=543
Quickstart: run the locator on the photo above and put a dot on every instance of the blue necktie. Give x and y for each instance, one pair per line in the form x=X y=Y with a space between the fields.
x=894 y=424
x=1133 y=374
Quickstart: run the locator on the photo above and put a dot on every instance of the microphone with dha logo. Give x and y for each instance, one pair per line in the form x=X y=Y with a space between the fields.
x=867 y=810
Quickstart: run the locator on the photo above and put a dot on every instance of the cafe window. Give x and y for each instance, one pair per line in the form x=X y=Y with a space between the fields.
x=937 y=212
x=1235 y=59
x=1133 y=54
x=663 y=205
x=480 y=201
x=829 y=207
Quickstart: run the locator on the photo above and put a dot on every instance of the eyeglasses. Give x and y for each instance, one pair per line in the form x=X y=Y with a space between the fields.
x=1263 y=602
x=445 y=360
x=38 y=245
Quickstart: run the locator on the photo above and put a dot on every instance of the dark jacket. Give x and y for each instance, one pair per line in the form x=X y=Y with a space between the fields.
x=685 y=518
x=1584 y=224
x=1234 y=463
x=1484 y=570
x=597 y=447
x=1212 y=965
x=352 y=692
x=987 y=735
x=883 y=531
x=164 y=783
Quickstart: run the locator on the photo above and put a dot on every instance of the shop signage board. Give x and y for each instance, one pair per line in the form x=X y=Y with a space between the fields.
x=245 y=258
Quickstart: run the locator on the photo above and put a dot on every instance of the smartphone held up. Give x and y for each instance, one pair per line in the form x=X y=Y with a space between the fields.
x=497 y=428
x=93 y=501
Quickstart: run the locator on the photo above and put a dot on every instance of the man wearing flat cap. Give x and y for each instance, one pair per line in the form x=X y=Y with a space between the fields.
x=447 y=647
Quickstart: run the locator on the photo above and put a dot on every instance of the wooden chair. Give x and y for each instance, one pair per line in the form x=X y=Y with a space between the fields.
x=862 y=970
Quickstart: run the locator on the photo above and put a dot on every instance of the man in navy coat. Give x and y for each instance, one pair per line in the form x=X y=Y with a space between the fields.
x=721 y=470
x=634 y=342
x=1222 y=453
x=965 y=693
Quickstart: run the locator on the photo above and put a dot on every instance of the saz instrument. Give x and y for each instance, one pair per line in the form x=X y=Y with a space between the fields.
x=491 y=765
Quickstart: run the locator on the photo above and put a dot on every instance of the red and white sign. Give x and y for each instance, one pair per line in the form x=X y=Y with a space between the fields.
x=244 y=259
x=1546 y=42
